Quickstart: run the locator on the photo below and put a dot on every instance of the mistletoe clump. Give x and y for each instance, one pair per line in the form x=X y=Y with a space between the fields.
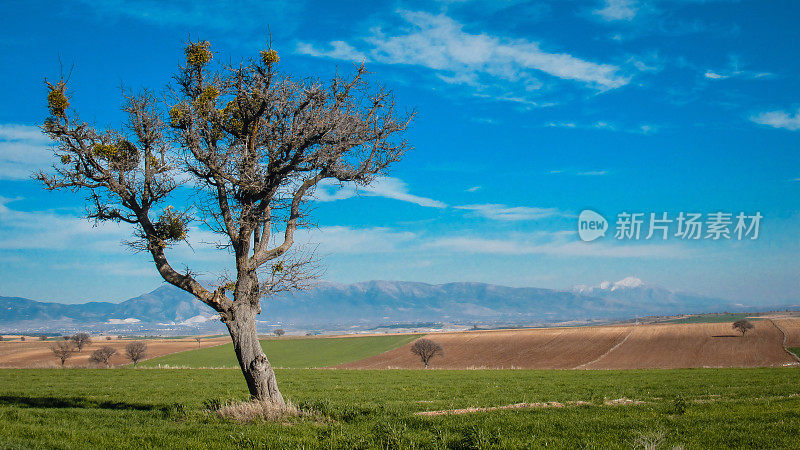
x=179 y=116
x=57 y=101
x=204 y=104
x=270 y=56
x=104 y=151
x=198 y=54
x=209 y=95
x=122 y=156
x=171 y=227
x=232 y=118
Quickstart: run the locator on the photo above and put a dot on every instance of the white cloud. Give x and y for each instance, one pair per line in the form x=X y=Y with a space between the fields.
x=386 y=187
x=509 y=213
x=338 y=50
x=439 y=43
x=779 y=119
x=614 y=10
x=473 y=189
x=23 y=150
x=714 y=76
x=606 y=126
x=52 y=231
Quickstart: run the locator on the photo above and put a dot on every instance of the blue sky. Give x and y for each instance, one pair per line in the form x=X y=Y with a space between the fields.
x=527 y=114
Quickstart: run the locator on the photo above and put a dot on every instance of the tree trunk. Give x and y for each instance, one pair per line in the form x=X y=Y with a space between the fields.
x=256 y=368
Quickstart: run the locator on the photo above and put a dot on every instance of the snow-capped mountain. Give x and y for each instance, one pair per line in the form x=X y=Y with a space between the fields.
x=373 y=303
x=643 y=298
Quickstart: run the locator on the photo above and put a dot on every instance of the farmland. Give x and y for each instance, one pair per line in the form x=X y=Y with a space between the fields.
x=51 y=408
x=175 y=407
x=34 y=353
x=664 y=346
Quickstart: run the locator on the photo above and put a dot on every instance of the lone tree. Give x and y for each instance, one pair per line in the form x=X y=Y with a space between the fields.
x=81 y=340
x=251 y=144
x=426 y=349
x=279 y=332
x=135 y=351
x=743 y=326
x=63 y=351
x=102 y=355
x=42 y=337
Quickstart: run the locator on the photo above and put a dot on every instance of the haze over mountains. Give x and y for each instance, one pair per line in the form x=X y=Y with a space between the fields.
x=370 y=304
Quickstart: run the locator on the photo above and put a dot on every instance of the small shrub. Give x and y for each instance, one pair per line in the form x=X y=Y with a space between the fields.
x=42 y=337
x=102 y=355
x=81 y=340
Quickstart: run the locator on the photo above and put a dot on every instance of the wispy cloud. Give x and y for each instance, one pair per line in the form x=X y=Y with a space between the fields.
x=607 y=126
x=581 y=172
x=500 y=212
x=23 y=149
x=441 y=44
x=778 y=119
x=473 y=189
x=614 y=10
x=51 y=230
x=386 y=187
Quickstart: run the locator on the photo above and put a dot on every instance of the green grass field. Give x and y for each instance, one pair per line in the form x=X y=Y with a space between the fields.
x=712 y=318
x=148 y=408
x=290 y=353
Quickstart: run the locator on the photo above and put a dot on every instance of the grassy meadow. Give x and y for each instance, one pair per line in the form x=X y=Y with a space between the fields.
x=290 y=352
x=149 y=408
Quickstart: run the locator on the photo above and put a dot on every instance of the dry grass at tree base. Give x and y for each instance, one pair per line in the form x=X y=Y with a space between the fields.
x=262 y=410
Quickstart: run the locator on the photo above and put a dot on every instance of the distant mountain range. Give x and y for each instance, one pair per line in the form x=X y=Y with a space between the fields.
x=369 y=304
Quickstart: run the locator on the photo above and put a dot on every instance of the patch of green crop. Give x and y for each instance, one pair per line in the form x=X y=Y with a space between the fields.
x=713 y=318
x=290 y=352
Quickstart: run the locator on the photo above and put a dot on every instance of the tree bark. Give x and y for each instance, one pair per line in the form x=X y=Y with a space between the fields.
x=256 y=368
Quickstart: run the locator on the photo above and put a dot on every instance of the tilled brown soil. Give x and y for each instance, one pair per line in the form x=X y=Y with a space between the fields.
x=34 y=354
x=671 y=346
x=792 y=328
x=542 y=348
x=604 y=347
